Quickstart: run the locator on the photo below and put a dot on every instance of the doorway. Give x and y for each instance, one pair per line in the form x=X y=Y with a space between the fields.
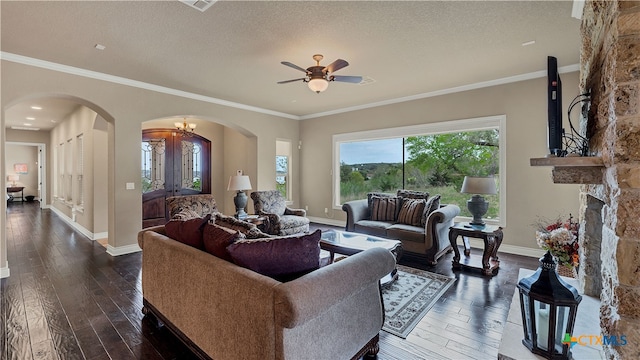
x=172 y=165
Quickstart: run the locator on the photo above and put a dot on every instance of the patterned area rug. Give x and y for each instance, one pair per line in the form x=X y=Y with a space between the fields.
x=409 y=298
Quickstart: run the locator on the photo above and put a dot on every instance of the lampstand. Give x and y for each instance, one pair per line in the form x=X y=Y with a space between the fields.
x=240 y=183
x=548 y=306
x=477 y=205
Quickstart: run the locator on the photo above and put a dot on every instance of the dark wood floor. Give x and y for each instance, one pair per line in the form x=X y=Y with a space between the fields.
x=67 y=299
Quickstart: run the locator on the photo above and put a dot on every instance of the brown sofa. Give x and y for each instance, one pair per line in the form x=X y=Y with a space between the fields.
x=430 y=241
x=224 y=311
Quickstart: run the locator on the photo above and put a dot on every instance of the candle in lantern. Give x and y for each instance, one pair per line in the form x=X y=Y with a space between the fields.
x=542 y=327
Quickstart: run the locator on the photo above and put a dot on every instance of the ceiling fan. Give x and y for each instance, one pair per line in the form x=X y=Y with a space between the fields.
x=319 y=76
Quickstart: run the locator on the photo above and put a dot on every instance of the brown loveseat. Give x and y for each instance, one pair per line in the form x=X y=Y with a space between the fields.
x=225 y=311
x=428 y=239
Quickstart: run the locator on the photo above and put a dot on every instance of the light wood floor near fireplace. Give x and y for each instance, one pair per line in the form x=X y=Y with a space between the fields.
x=67 y=298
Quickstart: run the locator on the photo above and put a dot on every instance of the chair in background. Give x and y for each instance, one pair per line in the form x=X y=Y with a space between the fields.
x=202 y=204
x=281 y=219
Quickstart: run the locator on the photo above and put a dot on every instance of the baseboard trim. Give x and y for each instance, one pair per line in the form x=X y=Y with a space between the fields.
x=4 y=271
x=325 y=221
x=123 y=250
x=77 y=226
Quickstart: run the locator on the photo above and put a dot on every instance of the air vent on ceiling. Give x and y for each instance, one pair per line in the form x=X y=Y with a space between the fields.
x=24 y=128
x=201 y=5
x=366 y=81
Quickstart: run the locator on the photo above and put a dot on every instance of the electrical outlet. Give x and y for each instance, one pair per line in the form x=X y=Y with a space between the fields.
x=306 y=207
x=326 y=211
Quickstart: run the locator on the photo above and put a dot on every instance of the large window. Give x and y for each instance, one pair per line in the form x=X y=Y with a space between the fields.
x=431 y=157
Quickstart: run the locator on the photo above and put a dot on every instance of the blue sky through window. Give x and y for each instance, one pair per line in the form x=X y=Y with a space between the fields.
x=372 y=151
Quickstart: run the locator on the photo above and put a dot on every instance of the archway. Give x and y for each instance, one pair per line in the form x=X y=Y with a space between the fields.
x=90 y=131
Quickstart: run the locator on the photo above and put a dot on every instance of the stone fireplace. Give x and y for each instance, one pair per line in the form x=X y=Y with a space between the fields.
x=610 y=206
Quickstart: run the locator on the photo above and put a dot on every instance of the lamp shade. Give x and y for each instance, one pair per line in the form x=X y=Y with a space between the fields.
x=479 y=185
x=13 y=178
x=318 y=85
x=239 y=183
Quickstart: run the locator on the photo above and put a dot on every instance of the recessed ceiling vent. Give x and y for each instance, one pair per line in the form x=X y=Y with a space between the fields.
x=201 y=5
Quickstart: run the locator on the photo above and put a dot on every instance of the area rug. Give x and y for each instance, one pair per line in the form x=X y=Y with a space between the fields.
x=410 y=297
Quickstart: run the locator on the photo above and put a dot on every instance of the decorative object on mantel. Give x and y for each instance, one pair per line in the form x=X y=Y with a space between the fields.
x=478 y=186
x=239 y=183
x=548 y=306
x=560 y=238
x=185 y=129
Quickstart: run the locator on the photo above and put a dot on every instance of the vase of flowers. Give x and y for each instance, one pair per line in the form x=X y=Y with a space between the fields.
x=560 y=238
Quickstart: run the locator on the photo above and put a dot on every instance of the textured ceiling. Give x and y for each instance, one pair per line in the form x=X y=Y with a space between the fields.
x=233 y=50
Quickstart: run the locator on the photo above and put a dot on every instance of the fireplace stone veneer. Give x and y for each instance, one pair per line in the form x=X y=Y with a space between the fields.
x=610 y=210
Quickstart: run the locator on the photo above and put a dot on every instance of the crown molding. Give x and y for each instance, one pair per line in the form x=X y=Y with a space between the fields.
x=165 y=90
x=137 y=84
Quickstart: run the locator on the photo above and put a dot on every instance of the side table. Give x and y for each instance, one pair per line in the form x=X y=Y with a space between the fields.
x=492 y=236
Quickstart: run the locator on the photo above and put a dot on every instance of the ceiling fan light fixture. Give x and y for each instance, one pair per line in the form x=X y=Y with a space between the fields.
x=318 y=85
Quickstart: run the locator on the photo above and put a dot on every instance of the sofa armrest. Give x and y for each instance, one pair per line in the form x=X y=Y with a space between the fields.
x=356 y=210
x=438 y=224
x=298 y=212
x=159 y=229
x=309 y=296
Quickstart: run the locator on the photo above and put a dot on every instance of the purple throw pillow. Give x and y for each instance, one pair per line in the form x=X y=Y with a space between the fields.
x=282 y=258
x=187 y=231
x=216 y=239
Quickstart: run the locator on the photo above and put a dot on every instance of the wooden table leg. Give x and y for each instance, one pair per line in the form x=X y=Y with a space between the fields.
x=453 y=237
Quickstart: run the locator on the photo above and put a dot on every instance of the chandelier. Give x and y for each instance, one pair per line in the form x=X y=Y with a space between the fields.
x=184 y=128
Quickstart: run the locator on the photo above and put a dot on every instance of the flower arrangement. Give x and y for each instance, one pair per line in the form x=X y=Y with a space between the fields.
x=560 y=238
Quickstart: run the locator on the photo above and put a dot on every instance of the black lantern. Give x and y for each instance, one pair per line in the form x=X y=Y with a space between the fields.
x=548 y=306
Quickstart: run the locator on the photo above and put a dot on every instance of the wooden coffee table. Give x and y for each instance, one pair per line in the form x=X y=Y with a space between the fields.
x=350 y=243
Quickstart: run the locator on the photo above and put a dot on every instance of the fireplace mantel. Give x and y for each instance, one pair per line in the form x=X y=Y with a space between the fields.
x=573 y=169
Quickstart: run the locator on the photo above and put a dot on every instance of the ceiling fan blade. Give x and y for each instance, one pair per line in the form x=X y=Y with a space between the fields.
x=293 y=66
x=288 y=81
x=335 y=66
x=349 y=79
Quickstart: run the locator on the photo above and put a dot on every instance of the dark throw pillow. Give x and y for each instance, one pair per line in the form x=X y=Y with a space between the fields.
x=411 y=212
x=385 y=208
x=187 y=231
x=282 y=258
x=412 y=194
x=432 y=205
x=216 y=238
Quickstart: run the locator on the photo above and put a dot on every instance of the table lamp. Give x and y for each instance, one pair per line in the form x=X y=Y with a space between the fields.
x=13 y=178
x=239 y=183
x=477 y=205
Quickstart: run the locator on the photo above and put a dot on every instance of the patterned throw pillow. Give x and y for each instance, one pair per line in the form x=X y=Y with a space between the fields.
x=216 y=239
x=250 y=231
x=370 y=199
x=187 y=231
x=411 y=211
x=385 y=208
x=282 y=258
x=412 y=194
x=432 y=205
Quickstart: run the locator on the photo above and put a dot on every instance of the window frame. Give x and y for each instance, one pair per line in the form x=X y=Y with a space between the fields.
x=471 y=124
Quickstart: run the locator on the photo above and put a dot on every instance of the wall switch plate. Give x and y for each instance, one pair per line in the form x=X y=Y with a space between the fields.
x=131 y=186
